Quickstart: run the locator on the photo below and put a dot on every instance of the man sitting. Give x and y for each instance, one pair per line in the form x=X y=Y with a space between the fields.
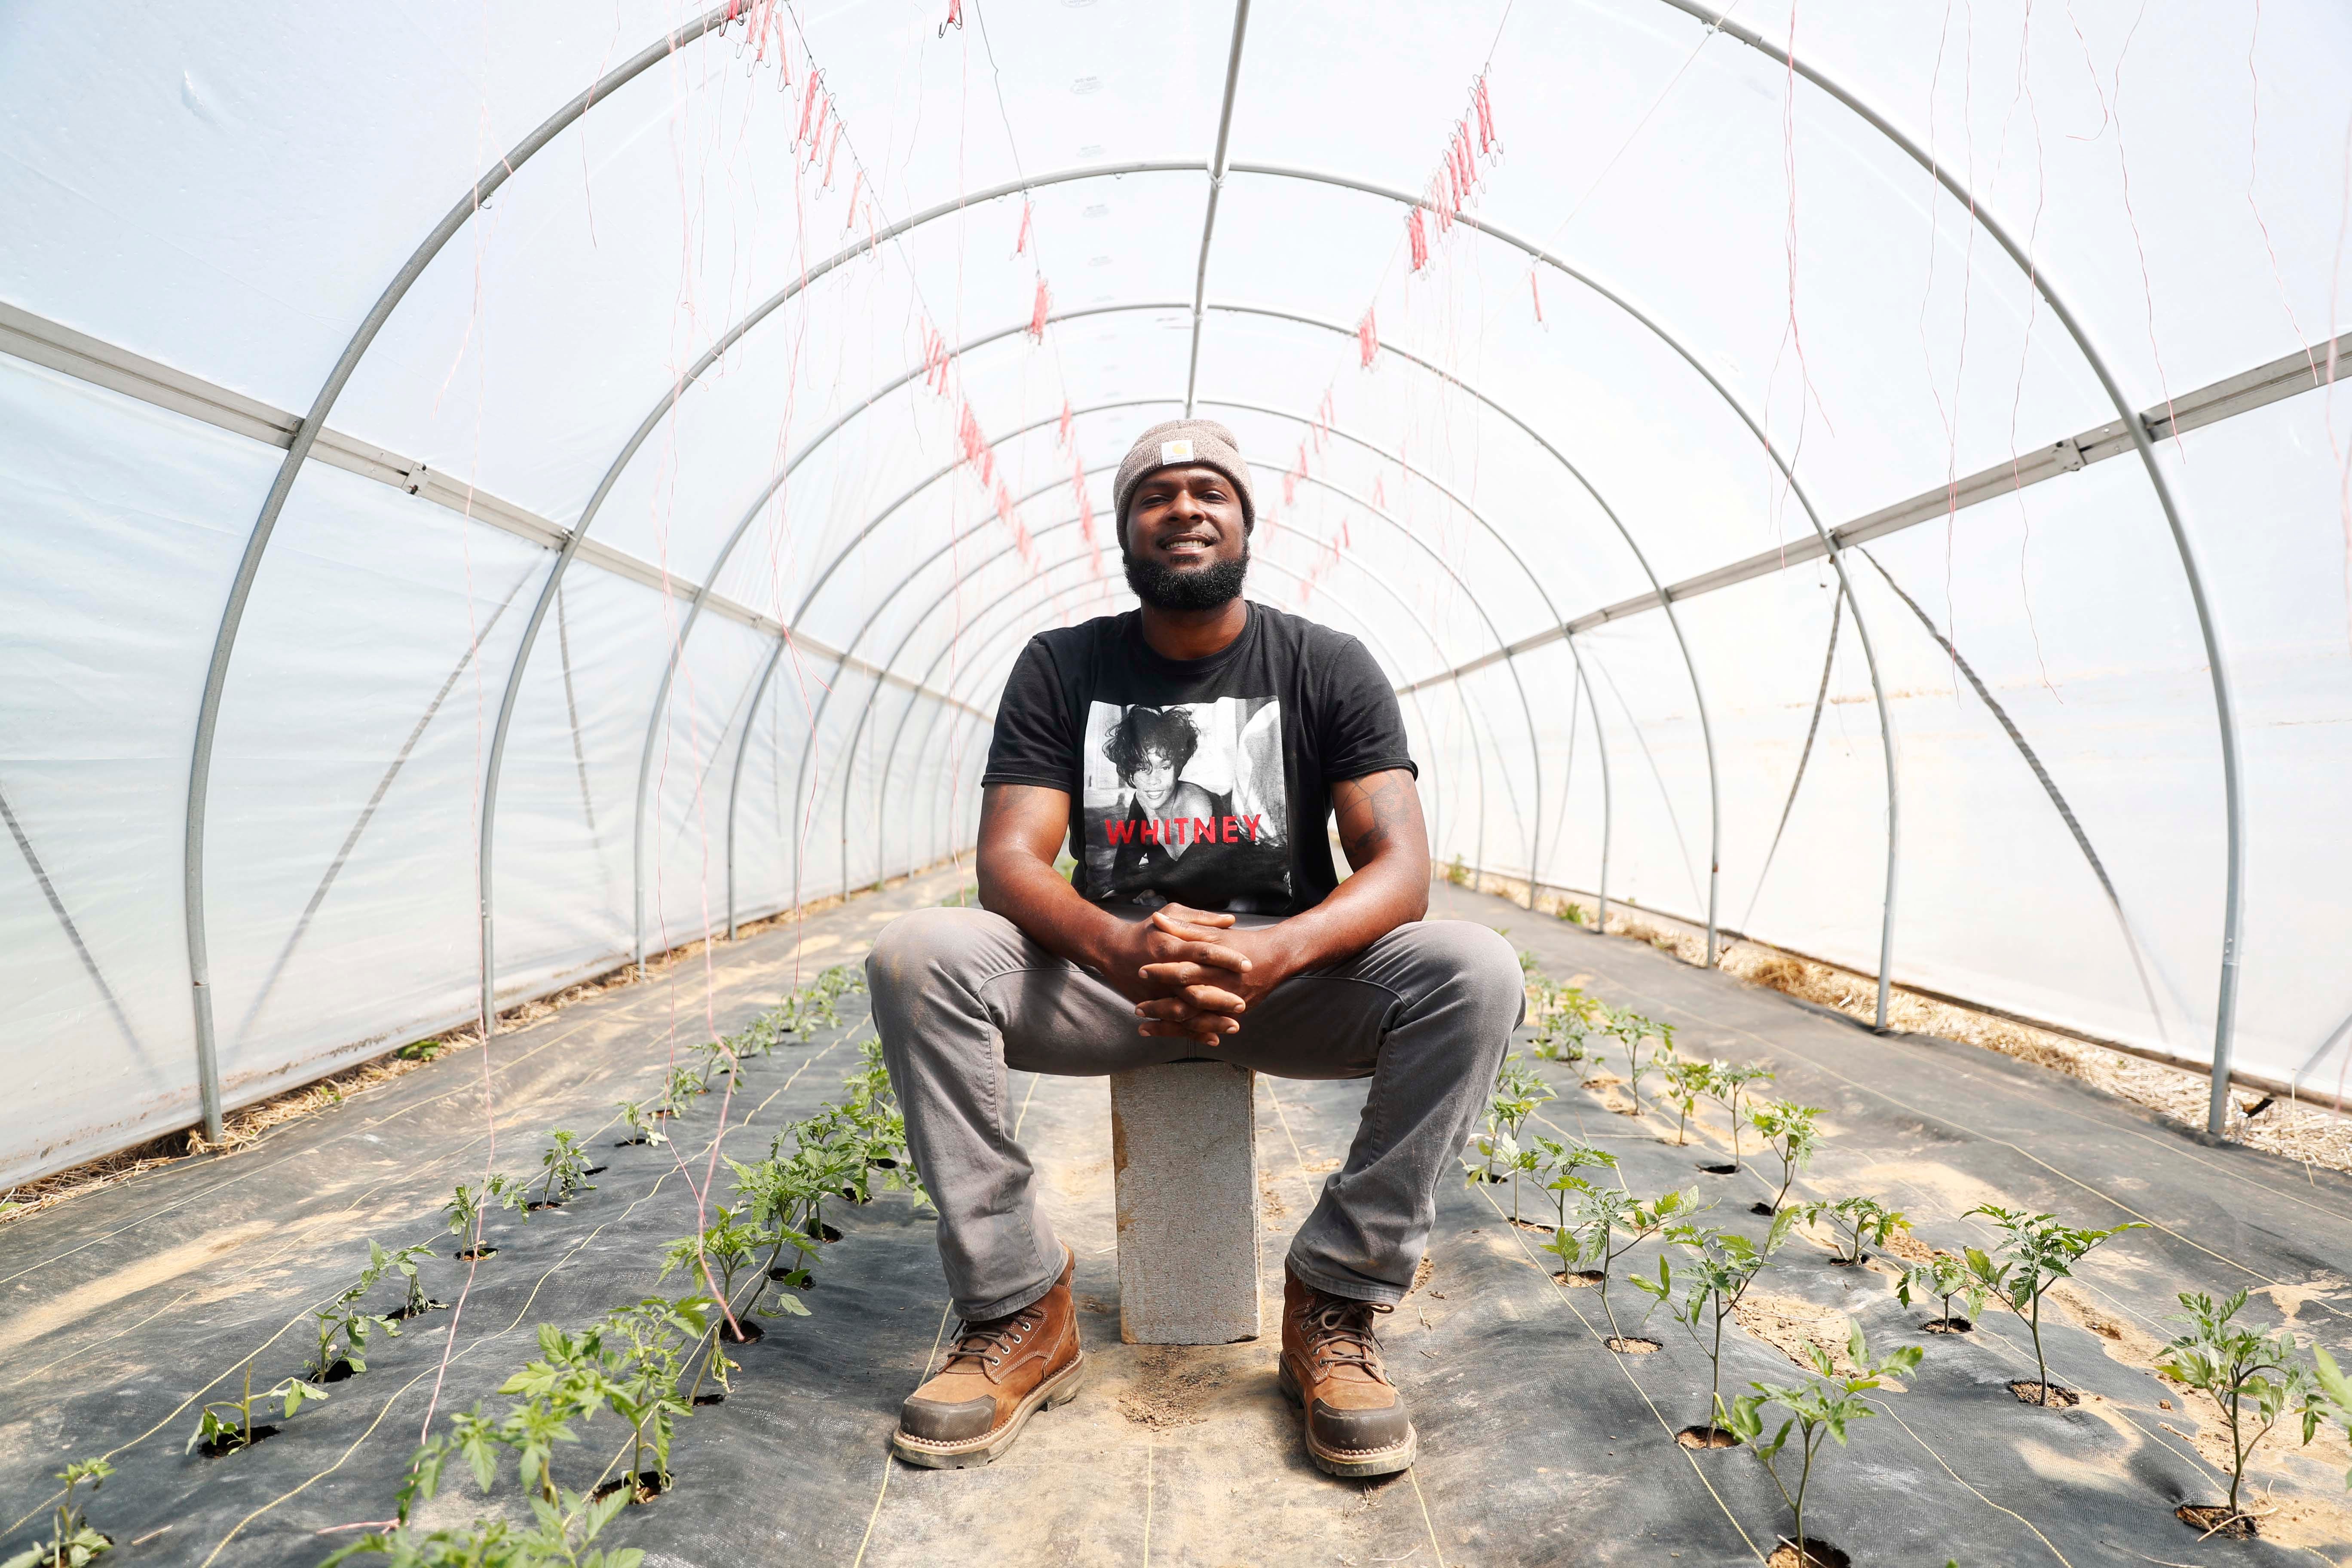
x=1190 y=754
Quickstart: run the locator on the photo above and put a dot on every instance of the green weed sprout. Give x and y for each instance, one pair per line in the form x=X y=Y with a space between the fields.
x=563 y=1163
x=216 y=1427
x=1728 y=1084
x=1573 y=912
x=2256 y=1379
x=1718 y=1267
x=644 y=1124
x=1823 y=1408
x=1560 y=1162
x=2034 y=1253
x=1943 y=1276
x=72 y=1540
x=1854 y=1221
x=1792 y=1133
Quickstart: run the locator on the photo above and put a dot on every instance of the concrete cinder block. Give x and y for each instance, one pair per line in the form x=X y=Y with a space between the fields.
x=1184 y=1144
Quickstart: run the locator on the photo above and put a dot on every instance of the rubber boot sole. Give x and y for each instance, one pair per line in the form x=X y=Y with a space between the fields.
x=1348 y=1464
x=1056 y=1390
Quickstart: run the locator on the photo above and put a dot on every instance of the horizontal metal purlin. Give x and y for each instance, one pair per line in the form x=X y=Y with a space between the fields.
x=41 y=341
x=2264 y=385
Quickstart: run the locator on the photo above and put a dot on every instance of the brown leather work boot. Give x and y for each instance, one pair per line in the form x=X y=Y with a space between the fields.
x=998 y=1375
x=1354 y=1416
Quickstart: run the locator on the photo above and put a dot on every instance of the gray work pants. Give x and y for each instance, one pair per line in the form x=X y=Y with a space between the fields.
x=961 y=996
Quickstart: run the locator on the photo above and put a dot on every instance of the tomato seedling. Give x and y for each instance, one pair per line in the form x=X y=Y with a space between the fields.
x=1943 y=1276
x=221 y=1435
x=1854 y=1221
x=1560 y=1164
x=2257 y=1379
x=1607 y=1222
x=1718 y=1267
x=1686 y=1083
x=1728 y=1084
x=73 y=1541
x=644 y=1122
x=1630 y=1030
x=2034 y=1253
x=342 y=1329
x=1824 y=1407
x=563 y=1165
x=1791 y=1132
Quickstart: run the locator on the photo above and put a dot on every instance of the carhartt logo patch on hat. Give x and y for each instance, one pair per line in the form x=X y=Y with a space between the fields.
x=1175 y=451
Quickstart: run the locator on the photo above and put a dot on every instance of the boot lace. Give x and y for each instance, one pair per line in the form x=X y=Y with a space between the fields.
x=988 y=1343
x=1339 y=1334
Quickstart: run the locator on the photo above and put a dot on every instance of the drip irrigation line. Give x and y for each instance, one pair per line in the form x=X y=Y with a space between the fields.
x=2060 y=1172
x=1559 y=1294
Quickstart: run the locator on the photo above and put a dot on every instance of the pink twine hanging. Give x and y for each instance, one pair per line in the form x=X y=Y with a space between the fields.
x=1536 y=291
x=1418 y=235
x=1367 y=338
x=826 y=183
x=1039 y=311
x=1021 y=241
x=955 y=18
x=854 y=187
x=808 y=107
x=1062 y=432
x=1085 y=507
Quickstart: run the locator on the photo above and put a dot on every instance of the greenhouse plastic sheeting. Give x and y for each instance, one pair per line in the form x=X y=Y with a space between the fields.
x=698 y=410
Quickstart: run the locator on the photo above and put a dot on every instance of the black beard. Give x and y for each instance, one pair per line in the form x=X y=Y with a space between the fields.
x=1193 y=588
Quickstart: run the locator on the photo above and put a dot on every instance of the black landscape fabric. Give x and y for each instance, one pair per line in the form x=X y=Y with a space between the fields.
x=120 y=1311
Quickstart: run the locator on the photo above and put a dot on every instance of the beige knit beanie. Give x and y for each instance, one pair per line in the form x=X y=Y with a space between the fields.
x=1173 y=444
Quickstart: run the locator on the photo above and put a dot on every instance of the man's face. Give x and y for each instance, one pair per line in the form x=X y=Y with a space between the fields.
x=1186 y=548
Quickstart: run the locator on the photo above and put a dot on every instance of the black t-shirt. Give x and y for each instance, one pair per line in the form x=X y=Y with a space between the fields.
x=1204 y=782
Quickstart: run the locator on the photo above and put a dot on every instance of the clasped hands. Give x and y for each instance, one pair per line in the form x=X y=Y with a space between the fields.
x=1195 y=975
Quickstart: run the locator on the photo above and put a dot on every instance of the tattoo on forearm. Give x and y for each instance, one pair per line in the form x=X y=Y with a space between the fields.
x=1385 y=802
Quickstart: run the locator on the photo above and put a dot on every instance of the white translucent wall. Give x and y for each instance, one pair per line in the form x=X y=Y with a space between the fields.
x=746 y=370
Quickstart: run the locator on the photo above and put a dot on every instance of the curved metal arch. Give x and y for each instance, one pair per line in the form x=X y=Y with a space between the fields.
x=710 y=579
x=281 y=487
x=1526 y=709
x=494 y=766
x=1363 y=621
x=1534 y=739
x=1575 y=654
x=1690 y=665
x=2225 y=712
x=1828 y=541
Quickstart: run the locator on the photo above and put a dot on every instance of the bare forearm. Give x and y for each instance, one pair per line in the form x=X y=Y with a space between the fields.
x=1383 y=834
x=1030 y=893
x=1392 y=891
